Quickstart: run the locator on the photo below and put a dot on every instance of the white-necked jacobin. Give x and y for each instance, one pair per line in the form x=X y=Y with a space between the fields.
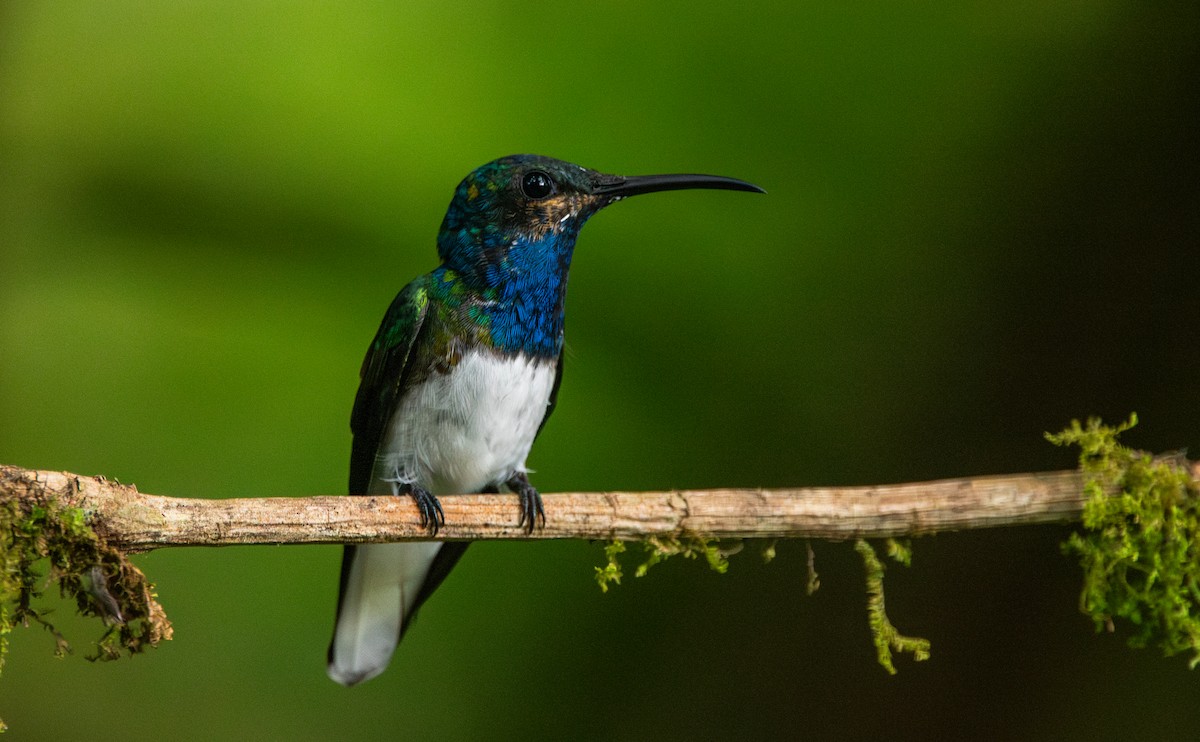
x=461 y=376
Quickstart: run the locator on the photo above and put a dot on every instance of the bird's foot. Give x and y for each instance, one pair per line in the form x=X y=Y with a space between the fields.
x=432 y=516
x=531 y=501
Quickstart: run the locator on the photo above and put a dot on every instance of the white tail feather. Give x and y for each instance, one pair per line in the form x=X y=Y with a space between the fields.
x=384 y=581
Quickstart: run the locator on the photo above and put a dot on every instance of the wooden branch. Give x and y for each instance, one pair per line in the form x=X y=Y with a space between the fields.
x=134 y=521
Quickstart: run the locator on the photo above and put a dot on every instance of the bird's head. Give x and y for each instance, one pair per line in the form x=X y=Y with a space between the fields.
x=537 y=205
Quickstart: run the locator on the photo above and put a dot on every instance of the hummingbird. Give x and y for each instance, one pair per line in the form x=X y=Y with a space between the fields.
x=462 y=375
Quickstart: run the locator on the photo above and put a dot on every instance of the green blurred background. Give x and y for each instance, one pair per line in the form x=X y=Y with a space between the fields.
x=983 y=221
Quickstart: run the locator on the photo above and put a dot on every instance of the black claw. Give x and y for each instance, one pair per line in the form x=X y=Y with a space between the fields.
x=530 y=500
x=531 y=509
x=432 y=515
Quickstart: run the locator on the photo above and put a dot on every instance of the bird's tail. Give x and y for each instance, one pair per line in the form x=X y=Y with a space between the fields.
x=382 y=586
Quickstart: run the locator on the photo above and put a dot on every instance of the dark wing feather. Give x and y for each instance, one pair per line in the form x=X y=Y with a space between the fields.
x=384 y=374
x=553 y=392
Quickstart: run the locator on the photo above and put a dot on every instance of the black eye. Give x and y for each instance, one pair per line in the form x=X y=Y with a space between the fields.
x=536 y=184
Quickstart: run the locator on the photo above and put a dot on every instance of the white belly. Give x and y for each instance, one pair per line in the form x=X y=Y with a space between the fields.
x=467 y=429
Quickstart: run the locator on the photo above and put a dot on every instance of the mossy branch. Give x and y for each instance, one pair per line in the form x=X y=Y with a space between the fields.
x=100 y=521
x=1140 y=547
x=1139 y=551
x=135 y=521
x=45 y=542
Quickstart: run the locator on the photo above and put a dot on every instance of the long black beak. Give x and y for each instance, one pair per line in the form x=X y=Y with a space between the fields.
x=615 y=187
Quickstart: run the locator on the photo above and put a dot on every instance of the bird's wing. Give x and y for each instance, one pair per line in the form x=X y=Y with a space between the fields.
x=384 y=373
x=558 y=372
x=371 y=602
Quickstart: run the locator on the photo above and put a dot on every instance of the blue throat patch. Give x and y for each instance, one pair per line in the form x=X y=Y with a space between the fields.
x=520 y=285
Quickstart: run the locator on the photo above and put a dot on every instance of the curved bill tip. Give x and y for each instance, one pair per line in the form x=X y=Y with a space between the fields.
x=617 y=187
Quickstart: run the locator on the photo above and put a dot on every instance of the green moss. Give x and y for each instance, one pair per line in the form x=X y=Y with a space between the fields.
x=42 y=544
x=659 y=549
x=887 y=638
x=813 y=583
x=611 y=571
x=1140 y=548
x=691 y=547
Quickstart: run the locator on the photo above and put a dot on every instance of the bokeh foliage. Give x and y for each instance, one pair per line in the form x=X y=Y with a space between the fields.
x=982 y=223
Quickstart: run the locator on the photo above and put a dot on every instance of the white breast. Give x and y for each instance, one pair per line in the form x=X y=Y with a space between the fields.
x=467 y=429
